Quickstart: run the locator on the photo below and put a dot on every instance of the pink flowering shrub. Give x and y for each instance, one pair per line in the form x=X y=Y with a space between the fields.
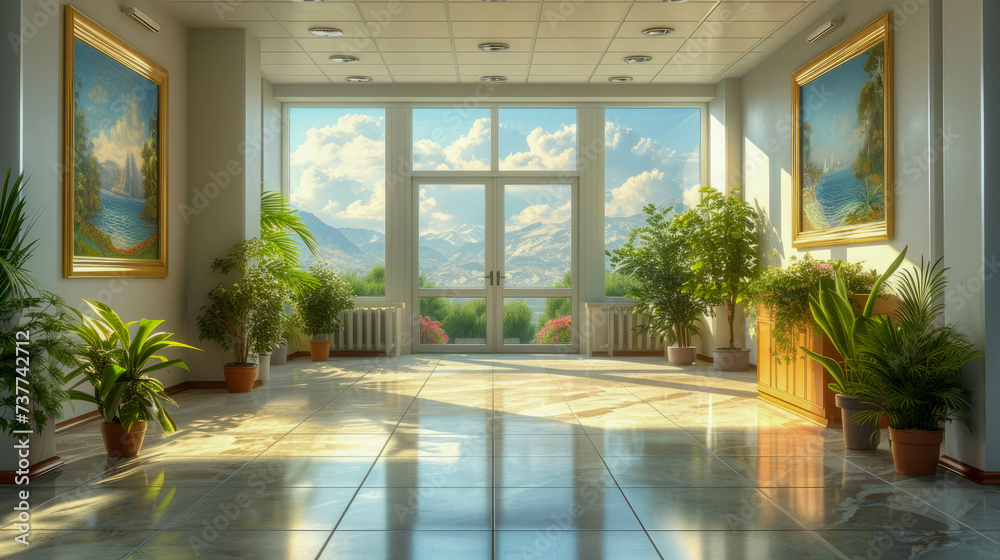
x=556 y=331
x=431 y=332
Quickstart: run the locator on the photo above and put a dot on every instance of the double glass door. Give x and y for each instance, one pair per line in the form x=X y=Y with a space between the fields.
x=495 y=264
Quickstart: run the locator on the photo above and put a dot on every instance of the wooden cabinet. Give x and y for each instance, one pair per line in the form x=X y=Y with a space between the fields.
x=798 y=384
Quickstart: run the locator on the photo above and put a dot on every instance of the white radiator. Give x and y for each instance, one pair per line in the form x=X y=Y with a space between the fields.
x=612 y=328
x=374 y=328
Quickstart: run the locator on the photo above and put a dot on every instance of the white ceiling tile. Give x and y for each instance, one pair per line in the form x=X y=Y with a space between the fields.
x=493 y=57
x=396 y=11
x=516 y=45
x=561 y=69
x=736 y=29
x=422 y=69
x=363 y=57
x=272 y=45
x=668 y=11
x=354 y=69
x=301 y=28
x=450 y=79
x=703 y=58
x=716 y=44
x=298 y=79
x=375 y=79
x=683 y=80
x=755 y=11
x=551 y=79
x=629 y=69
x=418 y=57
x=409 y=29
x=243 y=12
x=290 y=69
x=634 y=29
x=692 y=69
x=570 y=45
x=566 y=58
x=424 y=44
x=584 y=11
x=484 y=69
x=493 y=11
x=577 y=29
x=334 y=45
x=511 y=78
x=603 y=78
x=261 y=29
x=313 y=11
x=285 y=58
x=493 y=30
x=646 y=45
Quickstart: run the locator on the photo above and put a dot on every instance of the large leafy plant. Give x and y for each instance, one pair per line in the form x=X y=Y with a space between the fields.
x=722 y=236
x=114 y=363
x=16 y=283
x=833 y=311
x=912 y=362
x=248 y=316
x=319 y=306
x=656 y=259
x=279 y=228
x=785 y=291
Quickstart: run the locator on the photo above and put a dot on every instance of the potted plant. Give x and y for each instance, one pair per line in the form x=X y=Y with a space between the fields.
x=833 y=311
x=280 y=229
x=289 y=338
x=722 y=237
x=266 y=332
x=655 y=258
x=319 y=308
x=230 y=316
x=912 y=366
x=114 y=362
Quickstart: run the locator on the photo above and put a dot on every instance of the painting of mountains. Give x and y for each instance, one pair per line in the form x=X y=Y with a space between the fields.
x=116 y=158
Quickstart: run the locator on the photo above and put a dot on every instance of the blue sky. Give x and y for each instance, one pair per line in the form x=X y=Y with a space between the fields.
x=117 y=102
x=830 y=105
x=338 y=160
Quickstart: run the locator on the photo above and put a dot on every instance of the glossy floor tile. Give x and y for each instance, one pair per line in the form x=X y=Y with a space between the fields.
x=495 y=457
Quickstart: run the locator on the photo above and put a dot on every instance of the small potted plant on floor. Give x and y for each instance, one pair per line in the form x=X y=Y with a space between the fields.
x=320 y=306
x=833 y=311
x=114 y=362
x=912 y=365
x=289 y=338
x=266 y=333
x=231 y=316
x=721 y=233
x=655 y=258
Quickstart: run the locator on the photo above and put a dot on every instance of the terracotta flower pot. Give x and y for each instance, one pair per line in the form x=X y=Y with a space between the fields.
x=239 y=379
x=916 y=452
x=120 y=443
x=682 y=356
x=731 y=359
x=858 y=436
x=319 y=349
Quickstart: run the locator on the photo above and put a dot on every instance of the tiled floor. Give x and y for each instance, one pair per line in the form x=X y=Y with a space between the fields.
x=507 y=457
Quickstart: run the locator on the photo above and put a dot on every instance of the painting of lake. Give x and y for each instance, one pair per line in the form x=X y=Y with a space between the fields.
x=842 y=135
x=116 y=158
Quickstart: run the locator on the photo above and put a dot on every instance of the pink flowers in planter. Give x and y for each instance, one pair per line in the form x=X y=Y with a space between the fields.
x=431 y=332
x=556 y=331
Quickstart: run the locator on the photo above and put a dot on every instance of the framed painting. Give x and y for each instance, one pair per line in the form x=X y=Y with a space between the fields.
x=115 y=156
x=842 y=160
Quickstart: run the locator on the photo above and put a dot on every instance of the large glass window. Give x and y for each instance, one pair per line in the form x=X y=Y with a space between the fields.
x=651 y=156
x=337 y=183
x=537 y=139
x=451 y=138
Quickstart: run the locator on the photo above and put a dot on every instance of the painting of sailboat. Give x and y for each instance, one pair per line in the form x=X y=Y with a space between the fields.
x=844 y=143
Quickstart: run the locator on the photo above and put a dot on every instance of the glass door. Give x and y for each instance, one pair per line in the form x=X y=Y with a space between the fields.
x=495 y=262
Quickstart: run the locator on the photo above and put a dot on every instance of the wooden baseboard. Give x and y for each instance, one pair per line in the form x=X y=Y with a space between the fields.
x=34 y=471
x=974 y=474
x=341 y=354
x=711 y=360
x=835 y=423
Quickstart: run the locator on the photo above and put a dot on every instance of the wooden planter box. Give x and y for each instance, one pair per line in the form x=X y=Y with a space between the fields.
x=800 y=385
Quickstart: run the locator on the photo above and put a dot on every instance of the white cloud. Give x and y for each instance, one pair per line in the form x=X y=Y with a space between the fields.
x=555 y=150
x=468 y=151
x=542 y=214
x=612 y=135
x=426 y=203
x=638 y=190
x=127 y=135
x=441 y=216
x=692 y=196
x=371 y=209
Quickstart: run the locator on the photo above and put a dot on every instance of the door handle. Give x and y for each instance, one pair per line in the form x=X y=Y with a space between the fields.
x=499 y=276
x=490 y=276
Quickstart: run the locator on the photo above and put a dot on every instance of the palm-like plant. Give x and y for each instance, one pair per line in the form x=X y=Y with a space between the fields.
x=15 y=249
x=912 y=364
x=279 y=226
x=114 y=363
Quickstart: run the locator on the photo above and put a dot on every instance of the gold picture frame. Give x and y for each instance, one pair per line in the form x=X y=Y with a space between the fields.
x=848 y=92
x=114 y=224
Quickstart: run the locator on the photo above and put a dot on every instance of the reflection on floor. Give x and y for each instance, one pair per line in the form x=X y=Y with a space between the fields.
x=506 y=457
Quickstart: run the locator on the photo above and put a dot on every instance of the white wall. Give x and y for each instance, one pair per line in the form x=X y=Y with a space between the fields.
x=154 y=298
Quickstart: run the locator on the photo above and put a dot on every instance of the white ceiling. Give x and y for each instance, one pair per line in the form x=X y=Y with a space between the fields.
x=564 y=41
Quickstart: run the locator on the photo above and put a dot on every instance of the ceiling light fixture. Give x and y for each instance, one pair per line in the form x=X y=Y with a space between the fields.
x=326 y=32
x=657 y=31
x=142 y=19
x=343 y=58
x=493 y=78
x=358 y=78
x=620 y=79
x=493 y=46
x=824 y=30
x=637 y=59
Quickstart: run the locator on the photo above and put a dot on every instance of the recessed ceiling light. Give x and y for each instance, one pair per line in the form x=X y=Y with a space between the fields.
x=657 y=31
x=343 y=58
x=493 y=46
x=620 y=79
x=493 y=78
x=358 y=78
x=326 y=32
x=638 y=58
